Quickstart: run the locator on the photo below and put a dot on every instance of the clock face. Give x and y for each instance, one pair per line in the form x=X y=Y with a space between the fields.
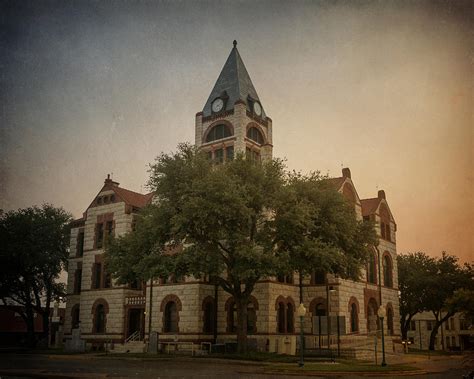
x=257 y=109
x=217 y=105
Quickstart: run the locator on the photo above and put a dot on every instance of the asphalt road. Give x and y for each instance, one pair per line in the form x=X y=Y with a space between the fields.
x=89 y=366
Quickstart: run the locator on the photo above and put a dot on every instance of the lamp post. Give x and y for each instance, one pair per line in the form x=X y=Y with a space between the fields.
x=381 y=313
x=301 y=311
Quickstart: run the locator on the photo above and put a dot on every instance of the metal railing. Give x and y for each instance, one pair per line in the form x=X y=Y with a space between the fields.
x=135 y=336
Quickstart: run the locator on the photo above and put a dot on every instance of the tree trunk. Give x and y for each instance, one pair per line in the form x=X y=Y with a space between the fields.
x=241 y=305
x=405 y=325
x=436 y=327
x=30 y=326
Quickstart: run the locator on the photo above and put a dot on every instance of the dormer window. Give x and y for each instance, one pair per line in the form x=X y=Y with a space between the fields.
x=219 y=132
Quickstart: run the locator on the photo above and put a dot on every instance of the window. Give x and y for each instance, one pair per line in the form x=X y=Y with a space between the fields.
x=208 y=307
x=285 y=278
x=107 y=279
x=231 y=308
x=447 y=325
x=281 y=318
x=229 y=151
x=451 y=320
x=252 y=155
x=109 y=227
x=371 y=275
x=387 y=232
x=448 y=342
x=219 y=132
x=77 y=280
x=99 y=235
x=382 y=229
x=171 y=318
x=464 y=324
x=254 y=134
x=429 y=325
x=354 y=319
x=97 y=278
x=290 y=325
x=75 y=312
x=136 y=284
x=412 y=325
x=387 y=271
x=390 y=321
x=80 y=244
x=219 y=156
x=251 y=319
x=99 y=324
x=318 y=277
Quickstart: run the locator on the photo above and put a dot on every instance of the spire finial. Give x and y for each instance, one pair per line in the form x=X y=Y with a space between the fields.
x=235 y=43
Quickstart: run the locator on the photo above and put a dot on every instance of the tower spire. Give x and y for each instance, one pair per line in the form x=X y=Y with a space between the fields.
x=235 y=43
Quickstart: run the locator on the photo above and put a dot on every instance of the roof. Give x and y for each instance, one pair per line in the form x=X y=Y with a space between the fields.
x=337 y=182
x=234 y=82
x=133 y=198
x=369 y=206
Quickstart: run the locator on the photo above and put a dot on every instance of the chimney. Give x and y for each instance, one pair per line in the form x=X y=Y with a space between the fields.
x=110 y=182
x=381 y=194
x=346 y=173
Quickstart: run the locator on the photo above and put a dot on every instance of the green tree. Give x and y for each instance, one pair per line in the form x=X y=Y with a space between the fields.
x=414 y=273
x=34 y=250
x=317 y=230
x=438 y=285
x=220 y=217
x=442 y=298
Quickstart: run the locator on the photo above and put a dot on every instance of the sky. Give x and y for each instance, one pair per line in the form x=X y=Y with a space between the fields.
x=382 y=87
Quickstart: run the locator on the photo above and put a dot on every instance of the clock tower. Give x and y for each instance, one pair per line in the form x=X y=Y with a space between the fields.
x=233 y=119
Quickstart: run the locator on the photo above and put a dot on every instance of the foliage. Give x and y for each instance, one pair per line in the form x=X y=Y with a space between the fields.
x=235 y=223
x=34 y=251
x=414 y=272
x=439 y=285
x=317 y=229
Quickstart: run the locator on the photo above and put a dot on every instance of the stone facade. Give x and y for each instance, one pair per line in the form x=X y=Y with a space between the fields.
x=233 y=121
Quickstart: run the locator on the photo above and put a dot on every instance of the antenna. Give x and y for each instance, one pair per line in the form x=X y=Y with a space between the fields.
x=112 y=175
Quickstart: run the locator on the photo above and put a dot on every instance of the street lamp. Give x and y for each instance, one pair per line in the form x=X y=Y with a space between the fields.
x=301 y=311
x=381 y=313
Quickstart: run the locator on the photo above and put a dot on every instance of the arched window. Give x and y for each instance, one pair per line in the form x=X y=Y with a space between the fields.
x=171 y=318
x=231 y=309
x=170 y=306
x=354 y=318
x=99 y=326
x=389 y=320
x=371 y=267
x=372 y=318
x=99 y=311
x=208 y=320
x=387 y=271
x=281 y=317
x=218 y=132
x=385 y=230
x=254 y=134
x=290 y=325
x=75 y=314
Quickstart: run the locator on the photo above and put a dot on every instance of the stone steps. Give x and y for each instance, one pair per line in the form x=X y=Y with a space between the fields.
x=129 y=347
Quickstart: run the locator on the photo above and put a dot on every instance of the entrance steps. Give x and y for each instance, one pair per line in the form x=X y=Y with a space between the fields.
x=129 y=347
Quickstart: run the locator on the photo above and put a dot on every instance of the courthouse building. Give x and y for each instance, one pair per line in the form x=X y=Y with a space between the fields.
x=232 y=120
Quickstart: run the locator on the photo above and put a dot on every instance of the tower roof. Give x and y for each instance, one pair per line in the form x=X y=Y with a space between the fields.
x=234 y=84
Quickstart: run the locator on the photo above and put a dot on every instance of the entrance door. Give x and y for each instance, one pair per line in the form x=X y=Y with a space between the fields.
x=135 y=321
